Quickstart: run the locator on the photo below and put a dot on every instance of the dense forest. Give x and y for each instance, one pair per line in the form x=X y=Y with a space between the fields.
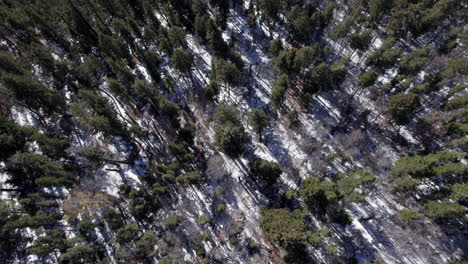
x=229 y=131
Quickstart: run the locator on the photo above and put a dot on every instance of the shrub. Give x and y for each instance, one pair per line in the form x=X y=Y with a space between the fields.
x=408 y=215
x=459 y=191
x=203 y=220
x=314 y=239
x=189 y=178
x=457 y=103
x=159 y=189
x=253 y=247
x=85 y=227
x=147 y=241
x=443 y=210
x=436 y=164
x=456 y=66
x=283 y=227
x=221 y=207
x=341 y=217
x=172 y=221
x=405 y=184
x=113 y=219
x=290 y=194
x=127 y=233
x=332 y=250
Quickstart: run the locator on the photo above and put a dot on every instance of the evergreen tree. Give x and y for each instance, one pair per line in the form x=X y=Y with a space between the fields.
x=229 y=131
x=182 y=60
x=259 y=121
x=268 y=171
x=402 y=107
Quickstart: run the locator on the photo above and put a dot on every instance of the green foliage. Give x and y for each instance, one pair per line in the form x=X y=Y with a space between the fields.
x=33 y=93
x=301 y=23
x=221 y=207
x=348 y=183
x=85 y=228
x=278 y=93
x=437 y=164
x=227 y=72
x=79 y=254
x=269 y=9
x=170 y=110
x=104 y=116
x=276 y=47
x=13 y=137
x=443 y=210
x=402 y=107
x=50 y=241
x=189 y=178
x=341 y=217
x=203 y=220
x=376 y=261
x=419 y=17
x=216 y=42
x=413 y=62
x=229 y=131
x=141 y=203
x=324 y=77
x=314 y=239
x=177 y=37
x=159 y=189
x=457 y=103
x=127 y=233
x=285 y=61
x=259 y=120
x=305 y=56
x=94 y=156
x=332 y=250
x=113 y=219
x=29 y=169
x=9 y=64
x=385 y=56
x=212 y=90
x=459 y=191
x=404 y=184
x=265 y=170
x=319 y=194
x=368 y=78
x=408 y=215
x=253 y=247
x=147 y=242
x=361 y=41
x=165 y=261
x=456 y=67
x=290 y=194
x=200 y=25
x=172 y=221
x=283 y=227
x=182 y=60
